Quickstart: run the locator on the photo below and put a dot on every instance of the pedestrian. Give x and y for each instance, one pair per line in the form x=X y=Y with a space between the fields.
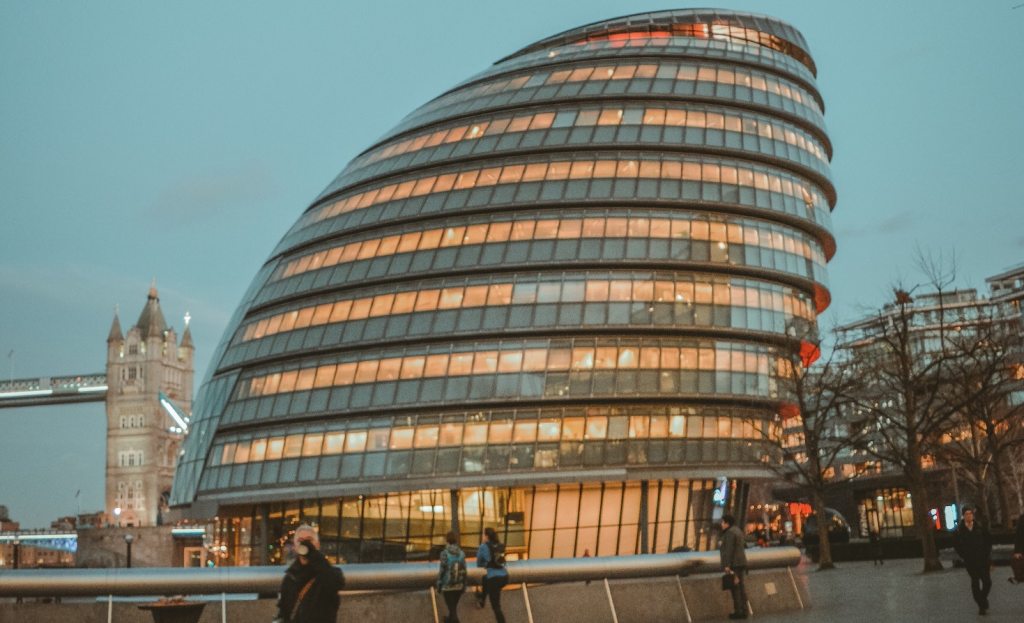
x=491 y=556
x=876 y=547
x=309 y=590
x=1017 y=562
x=451 y=578
x=974 y=546
x=734 y=561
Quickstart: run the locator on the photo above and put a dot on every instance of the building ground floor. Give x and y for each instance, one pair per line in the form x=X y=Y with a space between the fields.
x=553 y=520
x=883 y=503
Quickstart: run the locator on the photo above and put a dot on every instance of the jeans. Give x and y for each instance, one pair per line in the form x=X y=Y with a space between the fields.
x=981 y=584
x=451 y=599
x=492 y=588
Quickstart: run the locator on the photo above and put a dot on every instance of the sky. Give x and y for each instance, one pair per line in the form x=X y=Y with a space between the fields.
x=179 y=141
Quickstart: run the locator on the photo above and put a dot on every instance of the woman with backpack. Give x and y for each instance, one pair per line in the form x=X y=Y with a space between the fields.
x=451 y=579
x=491 y=556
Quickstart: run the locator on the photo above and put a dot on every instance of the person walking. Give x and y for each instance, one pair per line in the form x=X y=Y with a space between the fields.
x=876 y=548
x=491 y=556
x=309 y=590
x=973 y=544
x=734 y=561
x=451 y=578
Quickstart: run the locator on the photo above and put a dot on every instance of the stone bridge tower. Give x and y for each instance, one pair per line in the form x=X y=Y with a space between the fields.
x=144 y=365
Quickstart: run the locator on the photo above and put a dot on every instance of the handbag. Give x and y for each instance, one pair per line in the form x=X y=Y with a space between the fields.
x=728 y=581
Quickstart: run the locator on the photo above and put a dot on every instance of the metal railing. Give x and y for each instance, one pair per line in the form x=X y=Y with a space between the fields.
x=385 y=576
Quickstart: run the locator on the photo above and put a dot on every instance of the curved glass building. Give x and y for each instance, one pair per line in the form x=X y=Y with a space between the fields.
x=554 y=300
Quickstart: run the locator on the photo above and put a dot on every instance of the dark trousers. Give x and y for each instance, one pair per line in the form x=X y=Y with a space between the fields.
x=492 y=588
x=451 y=599
x=981 y=584
x=739 y=591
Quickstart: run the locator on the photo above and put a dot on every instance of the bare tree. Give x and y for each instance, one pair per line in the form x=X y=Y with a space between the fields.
x=1013 y=473
x=902 y=364
x=814 y=428
x=985 y=370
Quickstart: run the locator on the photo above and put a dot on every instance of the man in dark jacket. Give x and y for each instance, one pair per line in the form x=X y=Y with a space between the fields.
x=309 y=590
x=974 y=546
x=734 y=561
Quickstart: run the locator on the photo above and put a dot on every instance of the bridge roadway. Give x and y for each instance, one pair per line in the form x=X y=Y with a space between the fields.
x=61 y=540
x=54 y=390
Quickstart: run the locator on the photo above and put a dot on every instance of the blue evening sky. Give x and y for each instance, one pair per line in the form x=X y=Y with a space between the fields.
x=180 y=140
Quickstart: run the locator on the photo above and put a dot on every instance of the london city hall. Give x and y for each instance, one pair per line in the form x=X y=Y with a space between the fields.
x=556 y=300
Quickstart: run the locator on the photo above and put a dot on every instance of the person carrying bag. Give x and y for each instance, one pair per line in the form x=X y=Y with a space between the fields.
x=451 y=577
x=491 y=556
x=309 y=590
x=734 y=564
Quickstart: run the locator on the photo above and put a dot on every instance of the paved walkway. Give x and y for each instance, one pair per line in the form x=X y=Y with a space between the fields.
x=858 y=592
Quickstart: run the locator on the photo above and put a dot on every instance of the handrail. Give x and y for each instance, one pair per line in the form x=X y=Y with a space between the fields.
x=375 y=576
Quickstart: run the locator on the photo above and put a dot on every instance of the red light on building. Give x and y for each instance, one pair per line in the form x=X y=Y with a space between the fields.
x=809 y=353
x=799 y=509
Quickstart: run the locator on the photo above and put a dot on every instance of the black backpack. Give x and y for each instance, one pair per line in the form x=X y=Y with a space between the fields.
x=497 y=560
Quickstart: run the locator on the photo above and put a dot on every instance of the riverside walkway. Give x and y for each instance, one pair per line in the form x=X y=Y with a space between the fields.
x=898 y=592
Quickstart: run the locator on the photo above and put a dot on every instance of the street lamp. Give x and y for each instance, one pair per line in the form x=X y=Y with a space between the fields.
x=128 y=538
x=17 y=554
x=117 y=516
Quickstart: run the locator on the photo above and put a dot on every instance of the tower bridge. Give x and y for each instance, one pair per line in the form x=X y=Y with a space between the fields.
x=147 y=389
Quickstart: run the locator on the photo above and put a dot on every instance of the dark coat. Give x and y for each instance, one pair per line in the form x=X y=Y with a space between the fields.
x=1018 y=542
x=730 y=550
x=320 y=604
x=973 y=546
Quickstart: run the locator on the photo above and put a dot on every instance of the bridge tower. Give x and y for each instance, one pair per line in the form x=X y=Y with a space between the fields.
x=143 y=438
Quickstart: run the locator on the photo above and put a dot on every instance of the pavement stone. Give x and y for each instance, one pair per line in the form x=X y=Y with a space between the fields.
x=859 y=592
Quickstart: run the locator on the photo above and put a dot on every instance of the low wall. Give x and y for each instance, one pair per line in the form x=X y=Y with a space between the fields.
x=651 y=600
x=105 y=547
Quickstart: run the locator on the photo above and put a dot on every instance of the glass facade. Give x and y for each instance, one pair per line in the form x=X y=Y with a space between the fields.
x=556 y=300
x=539 y=521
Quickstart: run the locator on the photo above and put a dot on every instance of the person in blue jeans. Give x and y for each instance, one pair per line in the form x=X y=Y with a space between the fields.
x=491 y=556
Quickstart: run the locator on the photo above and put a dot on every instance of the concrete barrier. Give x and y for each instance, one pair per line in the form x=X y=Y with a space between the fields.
x=645 y=600
x=614 y=589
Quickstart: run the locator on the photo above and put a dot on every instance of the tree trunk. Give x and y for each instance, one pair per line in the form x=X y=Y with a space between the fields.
x=1005 y=516
x=922 y=521
x=824 y=545
x=983 y=504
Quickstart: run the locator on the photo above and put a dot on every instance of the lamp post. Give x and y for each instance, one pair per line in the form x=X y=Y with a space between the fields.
x=17 y=555
x=117 y=516
x=128 y=538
